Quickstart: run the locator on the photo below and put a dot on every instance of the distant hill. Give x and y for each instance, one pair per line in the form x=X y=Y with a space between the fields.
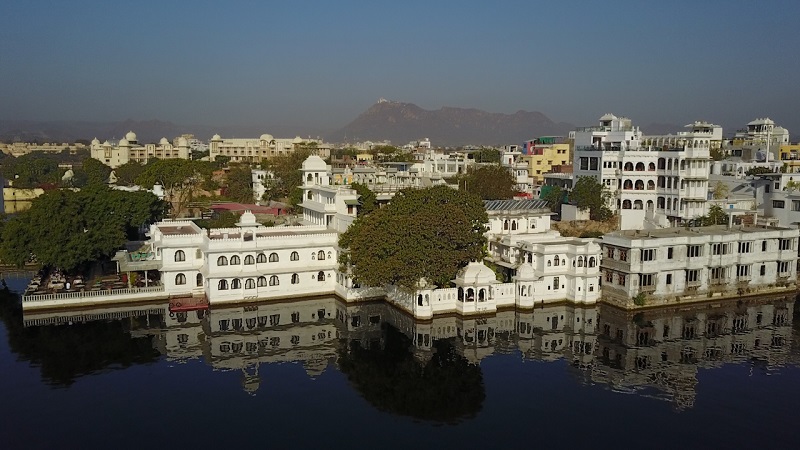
x=404 y=122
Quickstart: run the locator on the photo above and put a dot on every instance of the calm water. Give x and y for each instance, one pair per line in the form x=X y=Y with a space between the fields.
x=319 y=373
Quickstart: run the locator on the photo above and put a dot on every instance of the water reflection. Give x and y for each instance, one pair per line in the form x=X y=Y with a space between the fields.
x=428 y=370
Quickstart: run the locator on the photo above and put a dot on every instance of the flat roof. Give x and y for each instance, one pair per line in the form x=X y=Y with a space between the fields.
x=177 y=229
x=692 y=231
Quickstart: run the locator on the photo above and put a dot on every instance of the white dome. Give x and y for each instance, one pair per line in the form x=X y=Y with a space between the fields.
x=525 y=272
x=216 y=137
x=314 y=162
x=266 y=137
x=163 y=141
x=95 y=141
x=297 y=140
x=131 y=136
x=123 y=142
x=183 y=142
x=477 y=273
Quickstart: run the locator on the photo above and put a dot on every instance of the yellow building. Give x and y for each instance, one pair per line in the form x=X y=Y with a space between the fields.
x=543 y=153
x=790 y=156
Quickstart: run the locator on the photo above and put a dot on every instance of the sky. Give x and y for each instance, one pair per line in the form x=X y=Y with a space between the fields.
x=318 y=64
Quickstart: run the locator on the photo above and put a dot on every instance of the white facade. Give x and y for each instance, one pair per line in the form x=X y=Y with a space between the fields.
x=665 y=174
x=128 y=149
x=677 y=264
x=264 y=147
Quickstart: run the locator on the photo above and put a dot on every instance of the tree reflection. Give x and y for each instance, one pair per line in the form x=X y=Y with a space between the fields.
x=66 y=352
x=447 y=388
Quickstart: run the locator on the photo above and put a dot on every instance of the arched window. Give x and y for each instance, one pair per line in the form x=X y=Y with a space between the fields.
x=651 y=185
x=628 y=166
x=662 y=163
x=223 y=285
x=651 y=167
x=549 y=263
x=180 y=256
x=235 y=261
x=261 y=258
x=639 y=185
x=310 y=195
x=295 y=256
x=249 y=260
x=640 y=167
x=199 y=280
x=309 y=178
x=638 y=204
x=250 y=284
x=222 y=261
x=320 y=255
x=556 y=262
x=236 y=283
x=273 y=257
x=180 y=279
x=274 y=281
x=321 y=276
x=626 y=204
x=505 y=225
x=592 y=262
x=295 y=278
x=513 y=225
x=660 y=202
x=580 y=261
x=627 y=184
x=262 y=281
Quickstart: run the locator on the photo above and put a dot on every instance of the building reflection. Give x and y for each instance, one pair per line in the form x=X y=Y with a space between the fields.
x=656 y=352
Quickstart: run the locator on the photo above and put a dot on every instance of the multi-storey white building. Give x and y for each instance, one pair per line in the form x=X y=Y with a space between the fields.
x=666 y=175
x=677 y=264
x=265 y=147
x=128 y=149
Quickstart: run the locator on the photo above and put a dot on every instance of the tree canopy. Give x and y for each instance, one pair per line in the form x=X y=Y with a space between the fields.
x=91 y=173
x=423 y=233
x=31 y=170
x=128 y=173
x=590 y=194
x=488 y=155
x=716 y=216
x=554 y=196
x=490 y=182
x=67 y=229
x=366 y=198
x=287 y=177
x=757 y=171
x=240 y=183
x=180 y=178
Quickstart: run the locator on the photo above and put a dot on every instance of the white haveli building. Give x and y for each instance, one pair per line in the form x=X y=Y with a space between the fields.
x=128 y=149
x=644 y=268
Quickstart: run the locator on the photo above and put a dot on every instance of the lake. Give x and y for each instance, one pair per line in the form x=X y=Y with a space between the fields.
x=320 y=373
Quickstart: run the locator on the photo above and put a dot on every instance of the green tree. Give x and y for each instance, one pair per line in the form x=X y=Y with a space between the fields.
x=720 y=190
x=754 y=171
x=489 y=182
x=239 y=183
x=590 y=194
x=488 y=155
x=287 y=177
x=717 y=154
x=67 y=229
x=96 y=173
x=366 y=198
x=31 y=170
x=554 y=196
x=128 y=173
x=423 y=233
x=716 y=216
x=180 y=178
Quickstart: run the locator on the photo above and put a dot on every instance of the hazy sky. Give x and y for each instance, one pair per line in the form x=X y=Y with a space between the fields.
x=320 y=64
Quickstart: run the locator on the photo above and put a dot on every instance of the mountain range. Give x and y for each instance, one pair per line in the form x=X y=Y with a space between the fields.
x=397 y=122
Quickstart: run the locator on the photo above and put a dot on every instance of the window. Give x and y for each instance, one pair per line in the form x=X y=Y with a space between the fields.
x=223 y=285
x=693 y=276
x=743 y=271
x=778 y=204
x=763 y=246
x=609 y=276
x=744 y=247
x=648 y=254
x=235 y=261
x=249 y=260
x=623 y=255
x=795 y=205
x=717 y=273
x=222 y=261
x=763 y=270
x=261 y=258
x=785 y=244
x=621 y=279
x=321 y=255
x=556 y=283
x=719 y=249
x=180 y=256
x=646 y=280
x=321 y=276
x=669 y=278
x=262 y=281
x=180 y=279
x=295 y=317
x=670 y=252
x=295 y=278
x=236 y=283
x=783 y=267
x=199 y=279
x=250 y=284
x=294 y=257
x=592 y=163
x=610 y=252
x=273 y=257
x=584 y=161
x=693 y=251
x=273 y=280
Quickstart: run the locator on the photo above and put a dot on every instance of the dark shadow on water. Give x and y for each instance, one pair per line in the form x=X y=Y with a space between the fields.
x=445 y=389
x=64 y=353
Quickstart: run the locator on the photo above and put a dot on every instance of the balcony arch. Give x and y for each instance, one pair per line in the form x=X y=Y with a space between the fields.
x=640 y=167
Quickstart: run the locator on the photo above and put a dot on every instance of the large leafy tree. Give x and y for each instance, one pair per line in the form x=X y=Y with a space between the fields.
x=92 y=172
x=31 y=170
x=67 y=229
x=488 y=155
x=287 y=177
x=181 y=179
x=127 y=173
x=554 y=196
x=366 y=197
x=423 y=233
x=590 y=194
x=490 y=182
x=240 y=183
